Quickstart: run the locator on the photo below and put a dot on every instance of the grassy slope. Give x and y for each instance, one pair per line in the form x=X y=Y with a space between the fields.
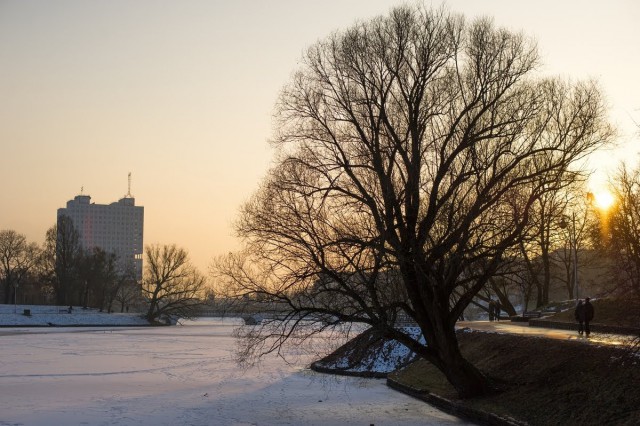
x=544 y=381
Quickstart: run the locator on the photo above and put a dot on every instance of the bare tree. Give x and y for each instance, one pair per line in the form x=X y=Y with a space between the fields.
x=618 y=231
x=17 y=257
x=507 y=282
x=575 y=252
x=551 y=230
x=45 y=268
x=123 y=289
x=546 y=220
x=97 y=273
x=172 y=287
x=402 y=142
x=129 y=293
x=68 y=287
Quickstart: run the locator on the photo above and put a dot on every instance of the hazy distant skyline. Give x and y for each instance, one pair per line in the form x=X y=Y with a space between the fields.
x=181 y=95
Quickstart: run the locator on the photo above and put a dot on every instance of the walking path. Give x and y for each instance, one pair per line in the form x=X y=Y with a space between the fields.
x=524 y=328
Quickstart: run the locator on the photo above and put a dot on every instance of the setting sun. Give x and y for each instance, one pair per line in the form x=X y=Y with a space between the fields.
x=603 y=199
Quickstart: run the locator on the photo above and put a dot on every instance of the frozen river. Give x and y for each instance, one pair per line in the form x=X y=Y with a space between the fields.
x=183 y=375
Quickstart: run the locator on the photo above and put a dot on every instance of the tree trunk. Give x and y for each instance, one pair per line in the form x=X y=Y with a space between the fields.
x=547 y=277
x=61 y=294
x=150 y=315
x=468 y=381
x=7 y=291
x=539 y=294
x=85 y=295
x=434 y=319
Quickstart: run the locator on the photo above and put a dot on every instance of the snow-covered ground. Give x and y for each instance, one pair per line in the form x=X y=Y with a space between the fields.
x=182 y=375
x=370 y=353
x=43 y=315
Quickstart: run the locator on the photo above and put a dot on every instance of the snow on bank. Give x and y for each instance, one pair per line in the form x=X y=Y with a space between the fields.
x=47 y=315
x=369 y=355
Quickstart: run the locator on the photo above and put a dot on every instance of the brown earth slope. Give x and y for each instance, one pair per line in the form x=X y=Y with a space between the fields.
x=543 y=381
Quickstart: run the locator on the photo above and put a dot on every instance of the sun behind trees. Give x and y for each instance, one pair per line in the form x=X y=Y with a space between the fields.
x=411 y=149
x=617 y=233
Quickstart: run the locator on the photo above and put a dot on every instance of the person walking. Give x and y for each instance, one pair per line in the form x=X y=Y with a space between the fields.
x=498 y=310
x=492 y=309
x=579 y=314
x=588 y=315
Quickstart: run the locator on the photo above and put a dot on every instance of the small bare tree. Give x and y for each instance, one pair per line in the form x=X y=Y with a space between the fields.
x=171 y=286
x=45 y=268
x=127 y=292
x=17 y=258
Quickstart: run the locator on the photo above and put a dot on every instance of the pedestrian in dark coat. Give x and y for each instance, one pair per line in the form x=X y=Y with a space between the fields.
x=498 y=310
x=588 y=315
x=492 y=309
x=579 y=314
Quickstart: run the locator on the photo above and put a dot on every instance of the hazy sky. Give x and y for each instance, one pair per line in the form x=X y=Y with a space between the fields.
x=181 y=94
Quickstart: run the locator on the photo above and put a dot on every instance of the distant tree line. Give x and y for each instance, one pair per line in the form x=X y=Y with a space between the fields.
x=62 y=272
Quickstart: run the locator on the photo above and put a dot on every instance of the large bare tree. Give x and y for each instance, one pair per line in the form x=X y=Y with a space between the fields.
x=172 y=287
x=412 y=148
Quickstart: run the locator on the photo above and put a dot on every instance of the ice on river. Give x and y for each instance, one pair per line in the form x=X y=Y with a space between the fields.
x=183 y=375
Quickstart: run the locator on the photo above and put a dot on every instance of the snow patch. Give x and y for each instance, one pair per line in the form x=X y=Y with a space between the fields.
x=369 y=354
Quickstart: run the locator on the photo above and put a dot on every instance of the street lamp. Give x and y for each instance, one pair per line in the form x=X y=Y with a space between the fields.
x=15 y=297
x=573 y=248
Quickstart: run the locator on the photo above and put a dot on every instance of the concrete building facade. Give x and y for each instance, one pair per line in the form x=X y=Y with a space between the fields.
x=115 y=228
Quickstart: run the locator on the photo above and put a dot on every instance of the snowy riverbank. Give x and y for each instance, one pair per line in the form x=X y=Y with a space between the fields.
x=59 y=316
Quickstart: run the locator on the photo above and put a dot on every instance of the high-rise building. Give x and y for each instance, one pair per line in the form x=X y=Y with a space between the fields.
x=115 y=228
